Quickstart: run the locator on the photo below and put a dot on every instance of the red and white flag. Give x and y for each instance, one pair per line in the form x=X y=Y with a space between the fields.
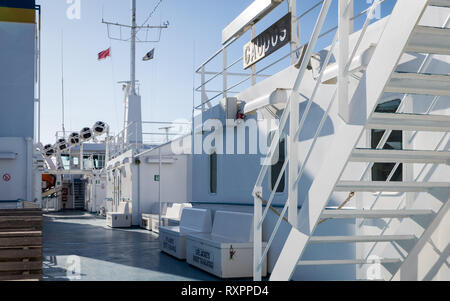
x=104 y=54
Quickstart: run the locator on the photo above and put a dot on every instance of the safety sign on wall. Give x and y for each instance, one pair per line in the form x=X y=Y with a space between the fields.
x=6 y=177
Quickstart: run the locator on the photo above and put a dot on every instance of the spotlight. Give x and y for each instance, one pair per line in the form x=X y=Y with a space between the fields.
x=49 y=150
x=99 y=128
x=74 y=138
x=86 y=134
x=61 y=144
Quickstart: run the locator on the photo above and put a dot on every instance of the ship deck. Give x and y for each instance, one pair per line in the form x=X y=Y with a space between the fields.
x=82 y=243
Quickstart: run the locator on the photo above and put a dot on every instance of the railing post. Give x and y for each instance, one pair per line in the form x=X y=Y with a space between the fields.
x=253 y=69
x=204 y=96
x=293 y=124
x=344 y=29
x=257 y=234
x=81 y=156
x=294 y=120
x=224 y=74
x=294 y=31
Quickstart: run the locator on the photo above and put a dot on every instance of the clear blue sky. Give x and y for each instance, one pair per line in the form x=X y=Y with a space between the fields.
x=91 y=89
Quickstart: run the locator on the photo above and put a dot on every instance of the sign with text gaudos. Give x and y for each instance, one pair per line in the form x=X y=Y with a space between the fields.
x=272 y=39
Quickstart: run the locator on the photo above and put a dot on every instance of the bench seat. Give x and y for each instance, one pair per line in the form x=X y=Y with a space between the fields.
x=226 y=252
x=172 y=238
x=121 y=218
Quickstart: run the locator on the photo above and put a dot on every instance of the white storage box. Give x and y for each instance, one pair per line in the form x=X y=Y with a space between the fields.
x=146 y=220
x=170 y=218
x=172 y=238
x=155 y=223
x=173 y=214
x=121 y=218
x=227 y=251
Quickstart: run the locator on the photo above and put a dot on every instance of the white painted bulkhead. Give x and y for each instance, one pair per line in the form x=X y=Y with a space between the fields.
x=131 y=178
x=17 y=65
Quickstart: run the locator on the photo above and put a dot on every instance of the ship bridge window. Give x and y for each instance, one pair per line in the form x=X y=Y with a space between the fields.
x=381 y=171
x=213 y=172
x=276 y=168
x=66 y=161
x=87 y=162
x=99 y=161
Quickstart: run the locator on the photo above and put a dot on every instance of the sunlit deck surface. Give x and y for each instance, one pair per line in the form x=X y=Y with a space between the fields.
x=107 y=254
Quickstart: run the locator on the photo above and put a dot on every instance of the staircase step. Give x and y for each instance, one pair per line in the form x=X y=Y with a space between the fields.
x=362 y=238
x=419 y=83
x=350 y=213
x=426 y=39
x=441 y=3
x=347 y=261
x=409 y=122
x=367 y=186
x=400 y=156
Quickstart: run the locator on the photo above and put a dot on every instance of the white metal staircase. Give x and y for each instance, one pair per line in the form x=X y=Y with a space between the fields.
x=401 y=34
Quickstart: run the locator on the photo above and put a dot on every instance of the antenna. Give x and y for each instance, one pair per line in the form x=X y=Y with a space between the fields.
x=62 y=82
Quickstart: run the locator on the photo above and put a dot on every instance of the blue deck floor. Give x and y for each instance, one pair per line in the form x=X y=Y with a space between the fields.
x=79 y=246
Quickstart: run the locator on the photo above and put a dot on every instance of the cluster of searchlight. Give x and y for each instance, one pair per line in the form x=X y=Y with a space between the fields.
x=75 y=139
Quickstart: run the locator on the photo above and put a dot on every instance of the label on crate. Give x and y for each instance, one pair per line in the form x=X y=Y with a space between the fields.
x=169 y=244
x=203 y=257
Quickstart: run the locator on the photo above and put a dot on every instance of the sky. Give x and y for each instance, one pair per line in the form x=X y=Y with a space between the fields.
x=91 y=91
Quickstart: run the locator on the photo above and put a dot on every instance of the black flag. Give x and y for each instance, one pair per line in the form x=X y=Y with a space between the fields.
x=149 y=55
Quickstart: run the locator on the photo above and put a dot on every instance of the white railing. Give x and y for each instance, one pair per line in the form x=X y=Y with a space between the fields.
x=118 y=144
x=292 y=104
x=225 y=73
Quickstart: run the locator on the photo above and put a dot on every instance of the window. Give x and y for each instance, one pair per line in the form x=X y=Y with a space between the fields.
x=213 y=172
x=99 y=161
x=276 y=168
x=87 y=163
x=381 y=171
x=66 y=161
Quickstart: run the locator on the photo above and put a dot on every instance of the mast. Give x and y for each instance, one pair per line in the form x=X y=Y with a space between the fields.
x=133 y=49
x=132 y=110
x=62 y=82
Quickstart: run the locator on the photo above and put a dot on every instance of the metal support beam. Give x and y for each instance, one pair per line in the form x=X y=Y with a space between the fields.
x=293 y=161
x=295 y=42
x=254 y=65
x=345 y=13
x=293 y=125
x=257 y=235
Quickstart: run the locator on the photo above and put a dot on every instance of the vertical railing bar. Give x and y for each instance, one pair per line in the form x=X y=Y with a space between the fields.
x=274 y=232
x=274 y=190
